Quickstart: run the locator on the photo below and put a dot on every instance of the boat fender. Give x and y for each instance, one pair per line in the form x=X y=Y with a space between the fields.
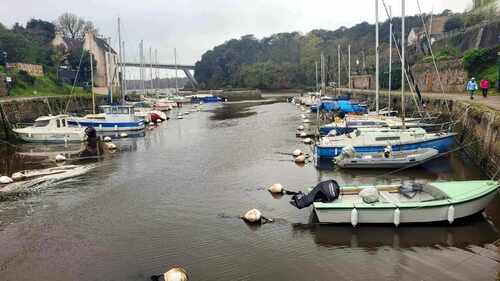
x=276 y=188
x=451 y=214
x=107 y=139
x=303 y=135
x=18 y=176
x=300 y=128
x=308 y=141
x=397 y=217
x=60 y=158
x=297 y=152
x=111 y=146
x=176 y=274
x=301 y=159
x=123 y=135
x=5 y=180
x=354 y=217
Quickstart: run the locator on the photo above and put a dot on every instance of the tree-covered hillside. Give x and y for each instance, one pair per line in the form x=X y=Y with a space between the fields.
x=287 y=60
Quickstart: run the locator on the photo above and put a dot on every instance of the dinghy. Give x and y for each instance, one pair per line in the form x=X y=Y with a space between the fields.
x=384 y=160
x=401 y=203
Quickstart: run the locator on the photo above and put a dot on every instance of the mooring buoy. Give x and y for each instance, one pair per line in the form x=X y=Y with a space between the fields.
x=5 y=180
x=276 y=188
x=107 y=139
x=60 y=158
x=176 y=274
x=297 y=152
x=301 y=159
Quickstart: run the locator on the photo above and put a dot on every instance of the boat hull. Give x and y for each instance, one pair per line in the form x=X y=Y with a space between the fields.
x=442 y=144
x=109 y=126
x=407 y=158
x=52 y=137
x=385 y=213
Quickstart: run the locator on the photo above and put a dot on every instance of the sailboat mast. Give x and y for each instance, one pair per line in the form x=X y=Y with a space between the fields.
x=151 y=68
x=92 y=80
x=317 y=83
x=349 y=65
x=175 y=62
x=157 y=86
x=120 y=59
x=403 y=61
x=338 y=66
x=390 y=59
x=377 y=71
x=323 y=83
x=124 y=77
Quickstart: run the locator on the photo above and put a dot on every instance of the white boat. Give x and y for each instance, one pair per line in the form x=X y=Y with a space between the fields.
x=376 y=139
x=384 y=160
x=114 y=118
x=416 y=203
x=52 y=129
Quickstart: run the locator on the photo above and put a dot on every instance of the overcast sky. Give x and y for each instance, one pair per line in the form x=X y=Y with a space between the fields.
x=195 y=26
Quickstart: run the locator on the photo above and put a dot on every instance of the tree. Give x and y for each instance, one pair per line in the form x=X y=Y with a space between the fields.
x=44 y=31
x=74 y=27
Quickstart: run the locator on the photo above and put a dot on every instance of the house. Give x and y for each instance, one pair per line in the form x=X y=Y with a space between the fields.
x=106 y=71
x=435 y=29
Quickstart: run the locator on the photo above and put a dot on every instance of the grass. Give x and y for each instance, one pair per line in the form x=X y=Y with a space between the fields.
x=42 y=86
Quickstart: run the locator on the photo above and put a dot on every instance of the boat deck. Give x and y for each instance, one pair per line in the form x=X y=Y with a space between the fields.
x=386 y=197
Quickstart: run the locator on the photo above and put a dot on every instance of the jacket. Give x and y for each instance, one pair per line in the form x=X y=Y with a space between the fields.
x=485 y=84
x=471 y=86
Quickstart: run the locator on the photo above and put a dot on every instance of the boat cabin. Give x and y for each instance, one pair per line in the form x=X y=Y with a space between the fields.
x=118 y=109
x=58 y=121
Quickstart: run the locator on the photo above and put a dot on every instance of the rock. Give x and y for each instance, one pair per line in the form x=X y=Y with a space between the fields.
x=107 y=139
x=301 y=159
x=369 y=195
x=18 y=176
x=60 y=158
x=5 y=180
x=276 y=188
x=252 y=216
x=176 y=274
x=297 y=152
x=123 y=135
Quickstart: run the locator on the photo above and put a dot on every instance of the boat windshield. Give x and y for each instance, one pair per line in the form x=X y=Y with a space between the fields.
x=41 y=123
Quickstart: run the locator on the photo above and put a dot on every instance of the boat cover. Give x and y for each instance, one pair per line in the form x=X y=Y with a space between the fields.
x=325 y=192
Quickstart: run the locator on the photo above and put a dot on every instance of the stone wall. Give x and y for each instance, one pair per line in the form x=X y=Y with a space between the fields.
x=32 y=69
x=452 y=74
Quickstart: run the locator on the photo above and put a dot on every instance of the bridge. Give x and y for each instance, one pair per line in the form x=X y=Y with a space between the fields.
x=186 y=68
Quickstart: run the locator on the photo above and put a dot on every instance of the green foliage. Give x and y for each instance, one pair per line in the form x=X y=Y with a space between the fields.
x=455 y=22
x=490 y=73
x=25 y=77
x=476 y=60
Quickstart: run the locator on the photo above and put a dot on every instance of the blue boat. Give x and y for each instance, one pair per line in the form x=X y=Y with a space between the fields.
x=206 y=99
x=114 y=118
x=365 y=140
x=346 y=106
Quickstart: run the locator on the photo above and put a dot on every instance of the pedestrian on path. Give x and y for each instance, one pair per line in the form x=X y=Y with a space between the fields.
x=485 y=85
x=471 y=87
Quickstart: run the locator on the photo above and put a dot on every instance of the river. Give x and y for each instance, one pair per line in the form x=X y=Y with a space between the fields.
x=174 y=197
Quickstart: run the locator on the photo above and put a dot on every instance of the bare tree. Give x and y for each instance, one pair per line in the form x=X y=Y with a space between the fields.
x=74 y=27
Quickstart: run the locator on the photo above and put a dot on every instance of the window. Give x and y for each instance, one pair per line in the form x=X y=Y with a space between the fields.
x=387 y=139
x=58 y=122
x=63 y=122
x=41 y=123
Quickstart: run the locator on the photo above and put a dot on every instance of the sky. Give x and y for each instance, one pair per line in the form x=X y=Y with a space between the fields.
x=195 y=26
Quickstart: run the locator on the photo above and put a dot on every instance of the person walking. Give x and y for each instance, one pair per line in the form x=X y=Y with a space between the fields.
x=485 y=85
x=471 y=87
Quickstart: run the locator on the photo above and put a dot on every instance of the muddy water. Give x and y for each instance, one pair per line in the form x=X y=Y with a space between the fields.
x=174 y=197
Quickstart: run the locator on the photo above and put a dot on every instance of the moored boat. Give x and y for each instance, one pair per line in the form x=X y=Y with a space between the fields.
x=114 y=118
x=52 y=129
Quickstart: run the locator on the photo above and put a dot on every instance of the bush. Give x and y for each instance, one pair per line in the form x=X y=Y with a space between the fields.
x=475 y=60
x=25 y=77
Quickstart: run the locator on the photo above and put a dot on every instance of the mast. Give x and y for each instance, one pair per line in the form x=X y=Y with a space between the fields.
x=377 y=73
x=141 y=57
x=390 y=59
x=151 y=69
x=157 y=86
x=317 y=84
x=92 y=79
x=124 y=78
x=323 y=82
x=120 y=59
x=110 y=76
x=175 y=62
x=349 y=64
x=338 y=66
x=403 y=61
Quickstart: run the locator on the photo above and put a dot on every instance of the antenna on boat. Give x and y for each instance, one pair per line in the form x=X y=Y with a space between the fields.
x=403 y=62
x=390 y=60
x=377 y=58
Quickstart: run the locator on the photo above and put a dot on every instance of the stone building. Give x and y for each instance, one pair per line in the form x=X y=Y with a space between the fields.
x=106 y=71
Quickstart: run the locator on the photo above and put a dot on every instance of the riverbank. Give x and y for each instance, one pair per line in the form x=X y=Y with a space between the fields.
x=477 y=122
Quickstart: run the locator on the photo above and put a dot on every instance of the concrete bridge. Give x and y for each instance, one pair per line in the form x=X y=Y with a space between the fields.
x=186 y=68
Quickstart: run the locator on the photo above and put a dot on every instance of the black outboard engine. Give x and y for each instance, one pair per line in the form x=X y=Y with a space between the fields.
x=91 y=133
x=325 y=192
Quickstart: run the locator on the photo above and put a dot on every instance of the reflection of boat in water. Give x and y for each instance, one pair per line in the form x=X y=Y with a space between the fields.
x=50 y=151
x=474 y=230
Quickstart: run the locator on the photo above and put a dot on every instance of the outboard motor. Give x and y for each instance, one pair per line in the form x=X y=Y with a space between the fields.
x=91 y=133
x=325 y=192
x=388 y=151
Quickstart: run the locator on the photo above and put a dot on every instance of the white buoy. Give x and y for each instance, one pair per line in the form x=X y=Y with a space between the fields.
x=308 y=141
x=297 y=152
x=303 y=134
x=176 y=274
x=303 y=116
x=276 y=188
x=300 y=128
x=107 y=139
x=180 y=117
x=123 y=135
x=111 y=146
x=397 y=217
x=306 y=121
x=252 y=216
x=60 y=158
x=451 y=214
x=354 y=217
x=301 y=159
x=5 y=180
x=18 y=176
